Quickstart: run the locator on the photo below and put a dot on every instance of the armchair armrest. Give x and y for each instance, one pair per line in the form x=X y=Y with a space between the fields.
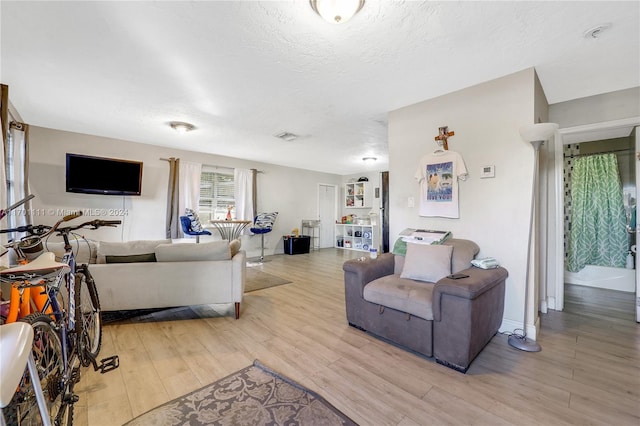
x=467 y=313
x=478 y=282
x=358 y=273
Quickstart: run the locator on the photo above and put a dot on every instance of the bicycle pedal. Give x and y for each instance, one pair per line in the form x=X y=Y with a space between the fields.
x=71 y=398
x=108 y=364
x=75 y=375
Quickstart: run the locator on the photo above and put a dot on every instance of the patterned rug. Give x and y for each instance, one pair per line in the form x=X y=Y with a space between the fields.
x=257 y=280
x=255 y=395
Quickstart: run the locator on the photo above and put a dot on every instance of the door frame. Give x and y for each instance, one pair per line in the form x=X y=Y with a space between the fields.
x=335 y=210
x=566 y=136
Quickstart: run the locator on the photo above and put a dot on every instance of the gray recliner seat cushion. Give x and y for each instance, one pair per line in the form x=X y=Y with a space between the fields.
x=412 y=297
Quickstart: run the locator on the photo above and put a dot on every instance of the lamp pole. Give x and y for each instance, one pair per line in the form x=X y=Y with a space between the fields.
x=521 y=341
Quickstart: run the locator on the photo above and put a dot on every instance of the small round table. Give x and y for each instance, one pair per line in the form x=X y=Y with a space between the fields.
x=230 y=229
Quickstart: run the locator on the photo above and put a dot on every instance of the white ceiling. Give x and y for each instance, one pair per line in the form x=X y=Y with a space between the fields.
x=242 y=71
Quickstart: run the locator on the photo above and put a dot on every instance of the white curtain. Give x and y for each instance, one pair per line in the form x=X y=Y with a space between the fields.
x=244 y=193
x=18 y=160
x=4 y=260
x=189 y=180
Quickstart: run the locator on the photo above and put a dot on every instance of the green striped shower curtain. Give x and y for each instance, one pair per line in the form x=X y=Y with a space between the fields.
x=598 y=233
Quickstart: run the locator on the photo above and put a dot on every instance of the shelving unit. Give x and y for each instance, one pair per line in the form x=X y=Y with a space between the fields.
x=357 y=195
x=356 y=237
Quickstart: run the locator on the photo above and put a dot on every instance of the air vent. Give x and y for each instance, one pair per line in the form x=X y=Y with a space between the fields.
x=287 y=136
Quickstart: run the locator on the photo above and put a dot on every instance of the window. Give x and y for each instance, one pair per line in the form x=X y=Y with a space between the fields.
x=216 y=193
x=15 y=169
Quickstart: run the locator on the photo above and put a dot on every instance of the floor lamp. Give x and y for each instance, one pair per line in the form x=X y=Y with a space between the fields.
x=537 y=134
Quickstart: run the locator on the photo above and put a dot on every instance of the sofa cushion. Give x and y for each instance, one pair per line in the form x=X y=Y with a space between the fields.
x=85 y=251
x=214 y=250
x=425 y=262
x=106 y=248
x=412 y=297
x=131 y=258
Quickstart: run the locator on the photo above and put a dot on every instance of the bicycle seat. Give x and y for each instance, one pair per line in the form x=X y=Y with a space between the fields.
x=43 y=265
x=15 y=345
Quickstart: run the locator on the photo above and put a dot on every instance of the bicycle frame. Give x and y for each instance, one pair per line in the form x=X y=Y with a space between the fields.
x=66 y=327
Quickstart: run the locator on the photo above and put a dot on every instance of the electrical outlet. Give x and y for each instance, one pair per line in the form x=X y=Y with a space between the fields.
x=411 y=202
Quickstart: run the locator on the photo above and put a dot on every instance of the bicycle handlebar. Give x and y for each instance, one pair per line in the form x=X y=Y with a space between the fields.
x=94 y=224
x=30 y=229
x=71 y=216
x=42 y=231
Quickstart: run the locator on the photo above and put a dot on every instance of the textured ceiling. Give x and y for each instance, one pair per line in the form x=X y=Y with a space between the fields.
x=242 y=71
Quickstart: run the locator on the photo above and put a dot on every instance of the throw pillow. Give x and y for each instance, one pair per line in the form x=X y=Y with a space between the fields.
x=234 y=246
x=196 y=226
x=400 y=247
x=132 y=258
x=425 y=262
x=265 y=220
x=214 y=250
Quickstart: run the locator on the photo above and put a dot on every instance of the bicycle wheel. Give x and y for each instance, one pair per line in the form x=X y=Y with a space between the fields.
x=88 y=318
x=47 y=353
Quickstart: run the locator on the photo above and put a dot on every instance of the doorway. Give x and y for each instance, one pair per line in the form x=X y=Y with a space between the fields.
x=384 y=210
x=573 y=135
x=327 y=213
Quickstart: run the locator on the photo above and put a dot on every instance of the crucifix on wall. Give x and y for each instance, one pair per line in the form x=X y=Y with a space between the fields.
x=443 y=135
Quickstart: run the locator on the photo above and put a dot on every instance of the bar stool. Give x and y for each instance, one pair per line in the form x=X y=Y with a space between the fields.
x=263 y=224
x=186 y=228
x=16 y=340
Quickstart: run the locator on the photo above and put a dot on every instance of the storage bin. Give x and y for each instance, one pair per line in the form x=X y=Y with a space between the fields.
x=296 y=245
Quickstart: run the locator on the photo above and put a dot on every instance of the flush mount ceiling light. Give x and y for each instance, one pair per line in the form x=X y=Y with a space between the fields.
x=369 y=160
x=596 y=32
x=336 y=11
x=181 y=126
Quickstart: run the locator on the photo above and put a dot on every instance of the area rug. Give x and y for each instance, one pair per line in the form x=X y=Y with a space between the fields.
x=255 y=395
x=257 y=280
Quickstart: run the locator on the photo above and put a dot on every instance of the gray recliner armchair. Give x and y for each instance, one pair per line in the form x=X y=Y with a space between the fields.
x=410 y=301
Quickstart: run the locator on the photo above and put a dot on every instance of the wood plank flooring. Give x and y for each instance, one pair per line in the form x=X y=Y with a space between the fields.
x=588 y=372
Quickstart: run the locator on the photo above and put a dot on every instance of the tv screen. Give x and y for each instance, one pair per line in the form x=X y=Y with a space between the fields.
x=108 y=176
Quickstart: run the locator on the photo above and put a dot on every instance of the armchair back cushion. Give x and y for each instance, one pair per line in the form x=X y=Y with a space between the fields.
x=128 y=248
x=214 y=250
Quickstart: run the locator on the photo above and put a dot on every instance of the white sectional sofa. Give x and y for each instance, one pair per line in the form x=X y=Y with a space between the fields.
x=161 y=274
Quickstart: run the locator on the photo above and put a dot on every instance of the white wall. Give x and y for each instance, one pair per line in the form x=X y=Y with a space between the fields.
x=494 y=212
x=595 y=109
x=291 y=192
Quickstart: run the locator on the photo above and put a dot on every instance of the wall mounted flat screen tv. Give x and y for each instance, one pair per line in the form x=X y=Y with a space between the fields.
x=107 y=176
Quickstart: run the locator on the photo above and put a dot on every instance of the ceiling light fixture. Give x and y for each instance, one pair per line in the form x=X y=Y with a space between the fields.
x=336 y=11
x=596 y=32
x=181 y=126
x=369 y=160
x=286 y=136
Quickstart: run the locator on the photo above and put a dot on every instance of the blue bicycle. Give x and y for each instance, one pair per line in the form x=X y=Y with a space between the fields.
x=68 y=330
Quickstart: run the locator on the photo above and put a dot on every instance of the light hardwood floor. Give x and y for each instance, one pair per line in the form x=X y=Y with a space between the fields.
x=587 y=373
